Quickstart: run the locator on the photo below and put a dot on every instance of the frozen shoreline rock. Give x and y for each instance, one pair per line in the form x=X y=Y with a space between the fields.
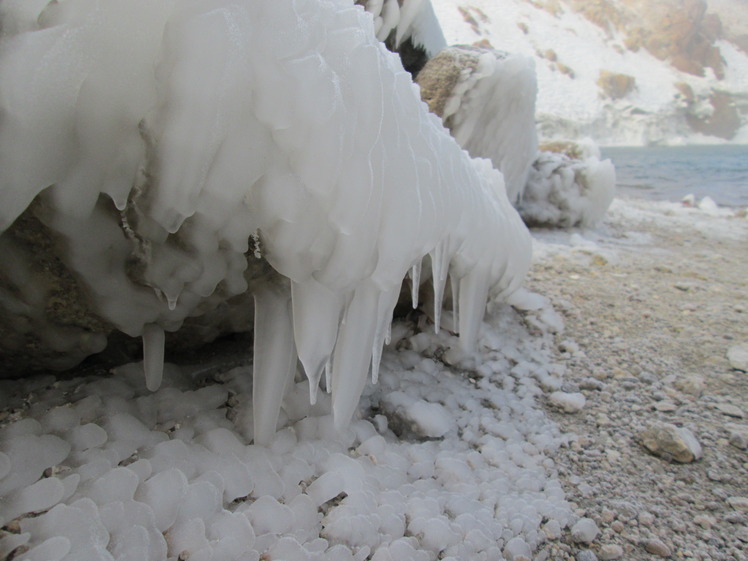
x=160 y=189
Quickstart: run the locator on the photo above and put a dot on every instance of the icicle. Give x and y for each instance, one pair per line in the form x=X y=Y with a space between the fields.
x=473 y=294
x=274 y=360
x=153 y=355
x=439 y=266
x=454 y=283
x=385 y=306
x=328 y=376
x=415 y=277
x=352 y=354
x=316 y=315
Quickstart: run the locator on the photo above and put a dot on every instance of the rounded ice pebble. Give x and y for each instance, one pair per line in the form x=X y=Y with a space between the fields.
x=269 y=516
x=568 y=402
x=117 y=485
x=230 y=535
x=222 y=441
x=79 y=523
x=163 y=493
x=30 y=455
x=53 y=549
x=431 y=420
x=60 y=419
x=187 y=536
x=585 y=530
x=517 y=547
x=40 y=496
x=87 y=436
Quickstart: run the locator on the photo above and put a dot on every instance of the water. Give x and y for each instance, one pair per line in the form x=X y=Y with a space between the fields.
x=671 y=172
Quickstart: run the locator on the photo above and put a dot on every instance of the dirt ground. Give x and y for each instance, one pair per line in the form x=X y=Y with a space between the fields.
x=652 y=300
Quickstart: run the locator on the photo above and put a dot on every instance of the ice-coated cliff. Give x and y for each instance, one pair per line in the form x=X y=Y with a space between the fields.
x=168 y=151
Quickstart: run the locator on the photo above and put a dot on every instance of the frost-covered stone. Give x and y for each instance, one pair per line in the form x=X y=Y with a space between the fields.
x=667 y=440
x=568 y=402
x=585 y=530
x=568 y=191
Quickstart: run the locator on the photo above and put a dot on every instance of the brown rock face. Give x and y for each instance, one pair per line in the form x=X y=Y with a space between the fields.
x=615 y=86
x=676 y=30
x=724 y=121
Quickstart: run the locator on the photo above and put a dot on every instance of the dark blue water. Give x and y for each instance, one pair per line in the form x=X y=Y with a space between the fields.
x=668 y=173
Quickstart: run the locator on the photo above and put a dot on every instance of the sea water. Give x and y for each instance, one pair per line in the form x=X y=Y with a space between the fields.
x=671 y=172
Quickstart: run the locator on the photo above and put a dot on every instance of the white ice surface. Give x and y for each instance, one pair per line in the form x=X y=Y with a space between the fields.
x=162 y=135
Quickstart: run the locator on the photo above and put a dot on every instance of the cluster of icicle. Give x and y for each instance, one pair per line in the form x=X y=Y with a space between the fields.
x=169 y=132
x=408 y=19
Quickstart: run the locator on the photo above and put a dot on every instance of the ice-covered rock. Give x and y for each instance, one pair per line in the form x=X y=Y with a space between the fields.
x=571 y=188
x=567 y=402
x=208 y=151
x=487 y=100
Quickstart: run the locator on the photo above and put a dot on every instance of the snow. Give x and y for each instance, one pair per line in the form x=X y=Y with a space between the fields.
x=572 y=107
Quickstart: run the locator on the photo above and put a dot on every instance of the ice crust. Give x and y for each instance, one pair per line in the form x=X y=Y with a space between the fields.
x=175 y=474
x=160 y=136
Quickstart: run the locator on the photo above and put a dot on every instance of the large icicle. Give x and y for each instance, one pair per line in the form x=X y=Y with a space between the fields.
x=316 y=315
x=385 y=307
x=473 y=293
x=439 y=268
x=153 y=355
x=353 y=353
x=274 y=359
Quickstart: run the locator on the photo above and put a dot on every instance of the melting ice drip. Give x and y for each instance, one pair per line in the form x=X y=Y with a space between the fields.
x=171 y=131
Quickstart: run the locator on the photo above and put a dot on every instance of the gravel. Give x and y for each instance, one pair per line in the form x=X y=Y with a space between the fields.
x=651 y=311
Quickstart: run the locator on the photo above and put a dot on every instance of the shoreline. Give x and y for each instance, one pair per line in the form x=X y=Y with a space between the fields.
x=652 y=300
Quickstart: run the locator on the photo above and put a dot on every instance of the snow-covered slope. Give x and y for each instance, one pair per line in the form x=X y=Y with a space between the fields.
x=595 y=80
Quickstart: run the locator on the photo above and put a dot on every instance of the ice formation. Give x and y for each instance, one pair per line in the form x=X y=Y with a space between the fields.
x=157 y=138
x=407 y=19
x=101 y=469
x=487 y=100
x=568 y=191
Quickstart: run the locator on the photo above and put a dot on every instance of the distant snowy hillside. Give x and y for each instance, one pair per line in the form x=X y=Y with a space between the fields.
x=624 y=72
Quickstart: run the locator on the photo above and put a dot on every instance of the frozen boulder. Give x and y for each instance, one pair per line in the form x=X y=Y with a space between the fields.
x=486 y=99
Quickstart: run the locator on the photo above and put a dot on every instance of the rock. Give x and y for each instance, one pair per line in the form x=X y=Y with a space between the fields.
x=730 y=410
x=738 y=503
x=738 y=357
x=567 y=402
x=692 y=385
x=742 y=534
x=668 y=441
x=585 y=530
x=646 y=518
x=611 y=551
x=586 y=555
x=739 y=439
x=665 y=406
x=615 y=86
x=657 y=547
